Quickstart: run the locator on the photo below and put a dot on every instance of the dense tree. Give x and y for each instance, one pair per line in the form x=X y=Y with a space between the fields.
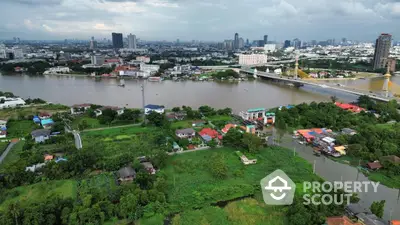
x=233 y=138
x=130 y=115
x=378 y=208
x=251 y=142
x=176 y=109
x=218 y=166
x=156 y=119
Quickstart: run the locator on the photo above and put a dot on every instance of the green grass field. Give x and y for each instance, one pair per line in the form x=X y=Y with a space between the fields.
x=21 y=128
x=3 y=146
x=391 y=182
x=191 y=185
x=13 y=155
x=219 y=118
x=34 y=110
x=246 y=211
x=181 y=124
x=36 y=192
x=91 y=122
x=112 y=132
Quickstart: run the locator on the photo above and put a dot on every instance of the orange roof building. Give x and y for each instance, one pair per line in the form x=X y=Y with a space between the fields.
x=340 y=220
x=228 y=127
x=349 y=107
x=48 y=157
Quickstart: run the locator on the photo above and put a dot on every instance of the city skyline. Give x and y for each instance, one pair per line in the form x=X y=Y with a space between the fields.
x=171 y=19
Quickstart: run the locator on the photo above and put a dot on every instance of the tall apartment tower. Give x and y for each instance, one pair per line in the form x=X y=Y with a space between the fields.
x=236 y=41
x=132 y=41
x=382 y=47
x=117 y=40
x=265 y=39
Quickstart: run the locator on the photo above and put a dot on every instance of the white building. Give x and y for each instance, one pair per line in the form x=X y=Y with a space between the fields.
x=11 y=102
x=149 y=68
x=252 y=59
x=97 y=59
x=132 y=41
x=3 y=51
x=18 y=53
x=153 y=108
x=270 y=47
x=144 y=59
x=58 y=69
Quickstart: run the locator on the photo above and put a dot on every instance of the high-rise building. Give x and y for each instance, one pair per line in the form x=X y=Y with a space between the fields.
x=132 y=41
x=93 y=44
x=313 y=42
x=265 y=39
x=241 y=43
x=117 y=40
x=177 y=41
x=229 y=45
x=260 y=43
x=97 y=59
x=247 y=42
x=286 y=44
x=296 y=43
x=236 y=41
x=252 y=59
x=382 y=47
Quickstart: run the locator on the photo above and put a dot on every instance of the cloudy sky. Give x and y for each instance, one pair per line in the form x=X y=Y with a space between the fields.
x=209 y=20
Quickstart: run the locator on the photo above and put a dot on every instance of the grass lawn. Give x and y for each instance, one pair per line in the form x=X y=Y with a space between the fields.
x=219 y=118
x=21 y=128
x=246 y=211
x=34 y=110
x=391 y=182
x=113 y=132
x=3 y=146
x=154 y=220
x=181 y=124
x=13 y=155
x=191 y=185
x=35 y=192
x=91 y=122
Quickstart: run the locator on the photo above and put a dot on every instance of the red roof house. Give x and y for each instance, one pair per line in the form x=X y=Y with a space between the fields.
x=340 y=220
x=211 y=133
x=349 y=107
x=228 y=127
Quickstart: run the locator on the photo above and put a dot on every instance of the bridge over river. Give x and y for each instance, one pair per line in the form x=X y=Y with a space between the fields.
x=301 y=82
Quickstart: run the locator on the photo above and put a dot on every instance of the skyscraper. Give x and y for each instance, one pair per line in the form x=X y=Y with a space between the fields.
x=286 y=44
x=247 y=42
x=296 y=43
x=265 y=39
x=93 y=44
x=117 y=40
x=236 y=41
x=241 y=43
x=382 y=47
x=132 y=41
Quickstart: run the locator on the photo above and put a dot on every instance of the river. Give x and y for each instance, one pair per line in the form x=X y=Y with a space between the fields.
x=240 y=96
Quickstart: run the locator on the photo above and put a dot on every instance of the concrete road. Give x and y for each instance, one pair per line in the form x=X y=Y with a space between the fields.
x=8 y=149
x=78 y=140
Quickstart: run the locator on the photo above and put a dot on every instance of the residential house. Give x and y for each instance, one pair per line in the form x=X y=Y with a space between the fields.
x=340 y=220
x=374 y=165
x=99 y=111
x=3 y=134
x=245 y=160
x=370 y=219
x=391 y=158
x=47 y=123
x=348 y=131
x=11 y=102
x=153 y=108
x=349 y=107
x=33 y=168
x=171 y=116
x=60 y=159
x=209 y=134
x=228 y=127
x=198 y=123
x=79 y=109
x=395 y=222
x=126 y=174
x=44 y=115
x=354 y=209
x=3 y=124
x=36 y=119
x=48 y=157
x=185 y=133
x=40 y=135
x=149 y=167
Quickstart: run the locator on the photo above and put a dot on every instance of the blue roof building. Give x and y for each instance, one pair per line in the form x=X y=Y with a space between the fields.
x=153 y=108
x=47 y=122
x=36 y=119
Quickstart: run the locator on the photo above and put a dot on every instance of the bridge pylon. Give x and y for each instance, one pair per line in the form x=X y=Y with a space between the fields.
x=387 y=80
x=296 y=67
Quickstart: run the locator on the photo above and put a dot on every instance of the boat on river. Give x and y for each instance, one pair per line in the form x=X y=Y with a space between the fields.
x=154 y=79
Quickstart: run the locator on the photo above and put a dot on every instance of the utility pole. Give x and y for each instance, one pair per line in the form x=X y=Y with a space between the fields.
x=144 y=111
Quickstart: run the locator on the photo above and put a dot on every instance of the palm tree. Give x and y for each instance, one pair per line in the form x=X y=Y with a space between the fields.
x=15 y=211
